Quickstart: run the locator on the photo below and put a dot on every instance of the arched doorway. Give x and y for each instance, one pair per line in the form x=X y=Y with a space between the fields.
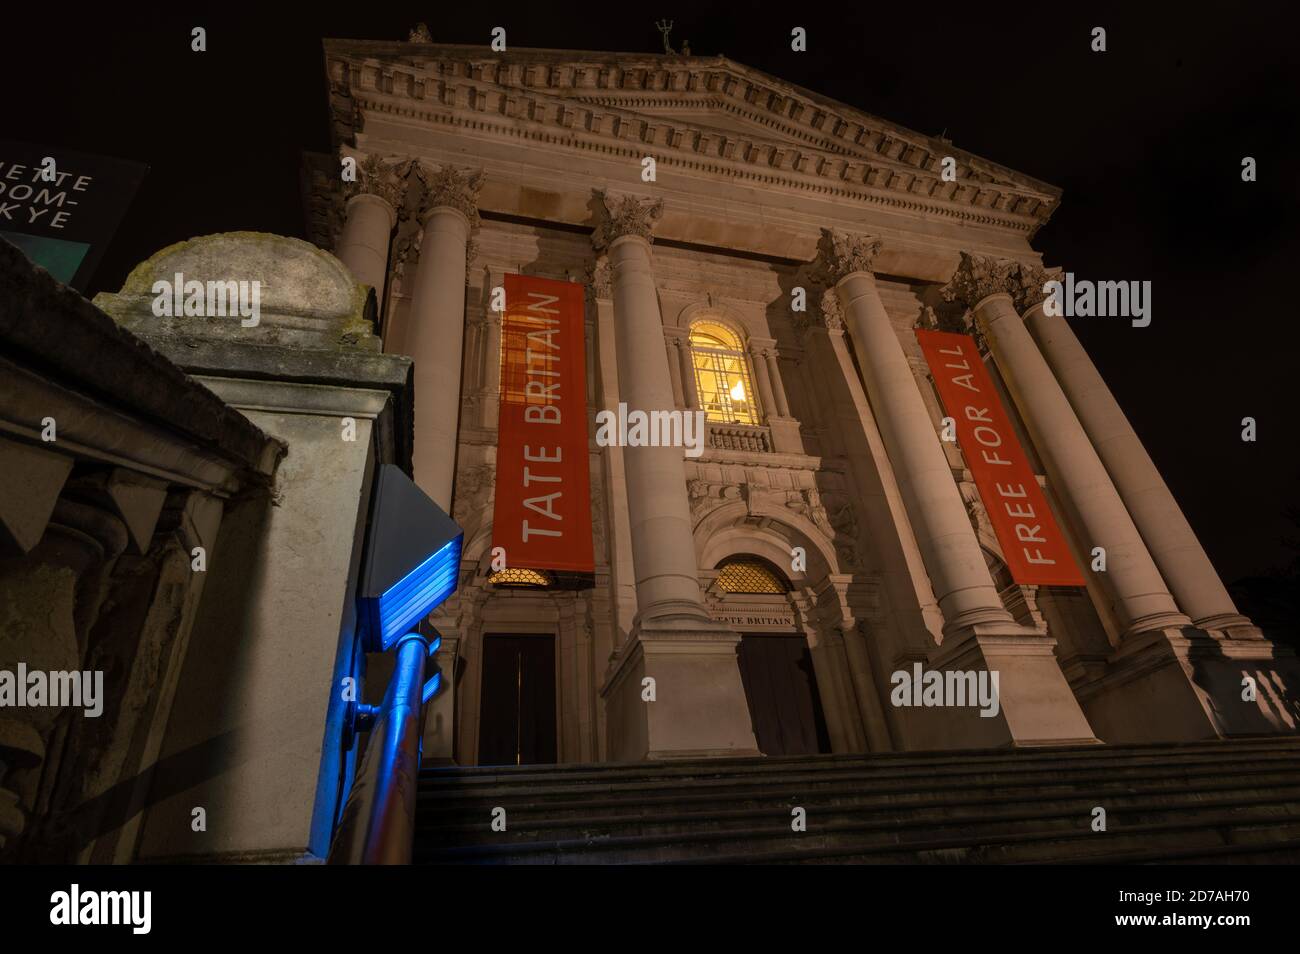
x=776 y=665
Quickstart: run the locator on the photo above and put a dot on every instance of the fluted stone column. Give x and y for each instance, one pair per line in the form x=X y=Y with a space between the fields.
x=436 y=324
x=699 y=705
x=1036 y=704
x=1140 y=598
x=951 y=552
x=373 y=201
x=1183 y=563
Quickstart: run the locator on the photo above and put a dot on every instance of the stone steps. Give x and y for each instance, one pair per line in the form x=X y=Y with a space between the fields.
x=848 y=789
x=1229 y=801
x=1133 y=807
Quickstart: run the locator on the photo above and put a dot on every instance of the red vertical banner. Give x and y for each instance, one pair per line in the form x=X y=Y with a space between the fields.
x=1032 y=542
x=542 y=510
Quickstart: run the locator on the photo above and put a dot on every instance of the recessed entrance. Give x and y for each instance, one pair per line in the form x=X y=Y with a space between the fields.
x=517 y=711
x=781 y=689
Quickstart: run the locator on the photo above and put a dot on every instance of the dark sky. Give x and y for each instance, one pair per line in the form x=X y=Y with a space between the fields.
x=1146 y=139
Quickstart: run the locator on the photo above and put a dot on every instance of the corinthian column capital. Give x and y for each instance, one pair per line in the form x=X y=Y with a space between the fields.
x=381 y=177
x=1030 y=290
x=450 y=187
x=625 y=215
x=978 y=276
x=840 y=254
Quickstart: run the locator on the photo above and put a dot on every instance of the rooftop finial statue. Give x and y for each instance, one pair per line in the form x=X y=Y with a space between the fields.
x=665 y=27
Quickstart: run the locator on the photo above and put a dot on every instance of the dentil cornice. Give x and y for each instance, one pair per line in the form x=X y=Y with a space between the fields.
x=599 y=102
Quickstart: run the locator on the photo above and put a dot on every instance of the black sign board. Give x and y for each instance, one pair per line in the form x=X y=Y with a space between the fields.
x=62 y=207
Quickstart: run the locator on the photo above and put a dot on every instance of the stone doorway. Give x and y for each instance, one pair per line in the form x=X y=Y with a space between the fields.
x=517 y=707
x=781 y=690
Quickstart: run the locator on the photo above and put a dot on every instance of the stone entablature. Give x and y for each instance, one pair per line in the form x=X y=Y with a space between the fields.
x=799 y=141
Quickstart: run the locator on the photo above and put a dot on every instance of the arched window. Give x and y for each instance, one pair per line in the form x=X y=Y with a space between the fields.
x=750 y=574
x=722 y=376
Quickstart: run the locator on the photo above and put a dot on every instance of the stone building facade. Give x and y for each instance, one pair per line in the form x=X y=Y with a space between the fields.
x=724 y=222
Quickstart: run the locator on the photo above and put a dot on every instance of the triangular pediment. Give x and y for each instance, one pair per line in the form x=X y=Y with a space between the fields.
x=701 y=111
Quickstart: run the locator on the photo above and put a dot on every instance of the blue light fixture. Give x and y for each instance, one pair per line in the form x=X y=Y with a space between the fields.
x=411 y=563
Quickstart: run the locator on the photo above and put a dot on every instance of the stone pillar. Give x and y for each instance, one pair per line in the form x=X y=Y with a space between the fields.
x=1172 y=543
x=699 y=703
x=1138 y=593
x=436 y=325
x=675 y=370
x=690 y=391
x=764 y=382
x=784 y=428
x=949 y=547
x=1036 y=704
x=373 y=201
x=600 y=299
x=662 y=542
x=778 y=388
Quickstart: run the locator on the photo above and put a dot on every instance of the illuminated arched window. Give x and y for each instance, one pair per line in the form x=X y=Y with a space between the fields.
x=750 y=574
x=722 y=376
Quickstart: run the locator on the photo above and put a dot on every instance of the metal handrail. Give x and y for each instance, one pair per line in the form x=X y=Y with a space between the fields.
x=378 y=822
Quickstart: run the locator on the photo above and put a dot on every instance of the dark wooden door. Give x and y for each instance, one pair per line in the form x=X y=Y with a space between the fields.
x=781 y=690
x=517 y=707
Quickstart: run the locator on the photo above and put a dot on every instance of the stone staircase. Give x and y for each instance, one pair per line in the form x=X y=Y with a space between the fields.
x=1207 y=802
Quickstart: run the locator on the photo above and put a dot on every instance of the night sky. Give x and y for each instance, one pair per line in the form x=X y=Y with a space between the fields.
x=1146 y=139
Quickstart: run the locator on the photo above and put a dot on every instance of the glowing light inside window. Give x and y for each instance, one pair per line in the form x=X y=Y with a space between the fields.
x=722 y=374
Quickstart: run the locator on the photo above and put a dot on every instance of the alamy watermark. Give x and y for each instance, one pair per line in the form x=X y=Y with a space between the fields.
x=946 y=688
x=196 y=299
x=75 y=906
x=59 y=688
x=626 y=428
x=1088 y=299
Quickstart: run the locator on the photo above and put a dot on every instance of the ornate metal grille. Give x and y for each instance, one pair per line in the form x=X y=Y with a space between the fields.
x=750 y=576
x=517 y=576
